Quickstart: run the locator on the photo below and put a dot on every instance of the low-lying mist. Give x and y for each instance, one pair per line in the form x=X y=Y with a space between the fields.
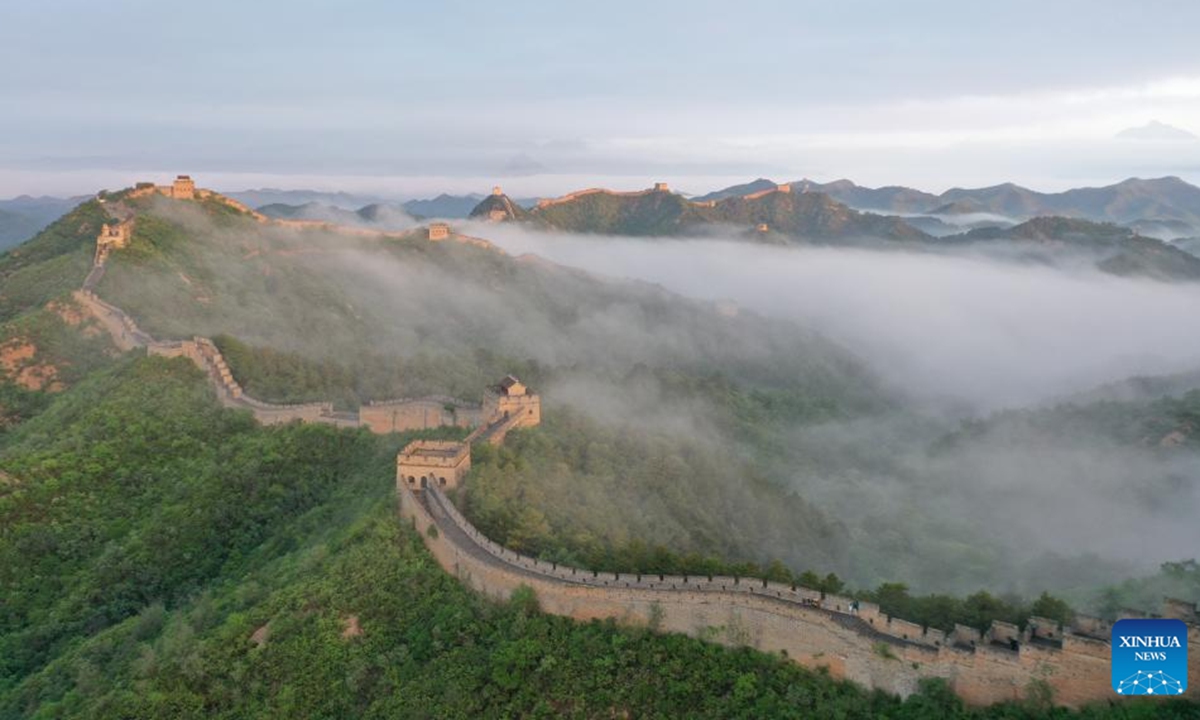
x=990 y=333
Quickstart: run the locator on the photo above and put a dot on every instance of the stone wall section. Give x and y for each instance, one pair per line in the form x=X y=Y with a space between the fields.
x=865 y=646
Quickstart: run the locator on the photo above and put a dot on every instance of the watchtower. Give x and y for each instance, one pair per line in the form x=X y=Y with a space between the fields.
x=510 y=398
x=496 y=190
x=661 y=187
x=784 y=188
x=184 y=188
x=439 y=231
x=424 y=463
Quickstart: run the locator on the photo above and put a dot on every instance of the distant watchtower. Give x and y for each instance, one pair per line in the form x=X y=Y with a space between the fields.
x=784 y=188
x=763 y=228
x=661 y=187
x=184 y=188
x=439 y=231
x=496 y=190
x=510 y=398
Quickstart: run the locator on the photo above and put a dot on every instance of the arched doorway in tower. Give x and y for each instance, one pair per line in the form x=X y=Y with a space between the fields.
x=424 y=482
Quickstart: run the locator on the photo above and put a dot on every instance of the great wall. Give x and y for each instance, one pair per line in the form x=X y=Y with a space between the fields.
x=853 y=639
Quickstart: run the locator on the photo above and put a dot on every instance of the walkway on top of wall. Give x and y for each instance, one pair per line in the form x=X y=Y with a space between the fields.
x=451 y=522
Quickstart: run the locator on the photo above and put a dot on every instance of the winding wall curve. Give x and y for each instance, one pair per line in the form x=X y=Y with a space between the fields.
x=814 y=630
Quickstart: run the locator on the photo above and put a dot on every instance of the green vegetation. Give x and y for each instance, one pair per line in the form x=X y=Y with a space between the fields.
x=582 y=493
x=290 y=377
x=797 y=216
x=36 y=279
x=977 y=610
x=579 y=493
x=655 y=213
x=1174 y=579
x=1130 y=423
x=52 y=264
x=1117 y=250
x=66 y=353
x=166 y=558
x=138 y=490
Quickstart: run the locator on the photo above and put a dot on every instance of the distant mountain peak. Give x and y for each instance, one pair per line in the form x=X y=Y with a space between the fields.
x=1155 y=130
x=498 y=207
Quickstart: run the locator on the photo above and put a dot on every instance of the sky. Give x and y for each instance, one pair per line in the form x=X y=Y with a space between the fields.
x=411 y=99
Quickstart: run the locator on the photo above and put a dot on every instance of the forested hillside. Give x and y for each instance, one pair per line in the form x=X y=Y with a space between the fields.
x=166 y=558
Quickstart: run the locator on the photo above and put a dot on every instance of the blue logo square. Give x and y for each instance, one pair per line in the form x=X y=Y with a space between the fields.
x=1149 y=657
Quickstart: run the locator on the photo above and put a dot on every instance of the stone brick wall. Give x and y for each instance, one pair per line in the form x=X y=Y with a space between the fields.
x=870 y=648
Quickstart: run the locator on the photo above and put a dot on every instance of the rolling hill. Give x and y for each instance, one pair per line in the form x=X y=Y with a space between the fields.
x=443 y=206
x=768 y=215
x=781 y=216
x=1167 y=201
x=1112 y=248
x=21 y=218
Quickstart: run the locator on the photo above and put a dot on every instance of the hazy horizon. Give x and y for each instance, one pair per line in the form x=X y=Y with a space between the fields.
x=411 y=101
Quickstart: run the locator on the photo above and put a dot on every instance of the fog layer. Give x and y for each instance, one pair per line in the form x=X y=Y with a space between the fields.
x=992 y=334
